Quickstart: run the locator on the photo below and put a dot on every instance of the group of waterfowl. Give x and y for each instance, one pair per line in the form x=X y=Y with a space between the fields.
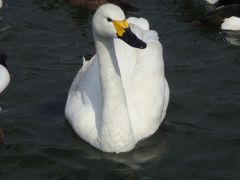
x=120 y=96
x=225 y=16
x=4 y=74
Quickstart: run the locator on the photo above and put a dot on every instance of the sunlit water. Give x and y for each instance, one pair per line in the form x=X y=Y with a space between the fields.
x=45 y=40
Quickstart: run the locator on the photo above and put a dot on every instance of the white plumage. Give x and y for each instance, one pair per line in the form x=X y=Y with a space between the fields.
x=120 y=96
x=212 y=1
x=4 y=75
x=232 y=23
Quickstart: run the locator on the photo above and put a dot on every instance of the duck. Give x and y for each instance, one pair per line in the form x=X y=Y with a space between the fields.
x=120 y=96
x=4 y=73
x=223 y=15
x=94 y=4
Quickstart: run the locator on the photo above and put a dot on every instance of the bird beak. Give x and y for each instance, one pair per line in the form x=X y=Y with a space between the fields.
x=125 y=33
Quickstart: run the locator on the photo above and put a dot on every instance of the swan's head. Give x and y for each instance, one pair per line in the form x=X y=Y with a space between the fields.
x=109 y=22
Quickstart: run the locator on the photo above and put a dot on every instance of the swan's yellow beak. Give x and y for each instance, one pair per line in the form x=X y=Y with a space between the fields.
x=120 y=27
x=125 y=33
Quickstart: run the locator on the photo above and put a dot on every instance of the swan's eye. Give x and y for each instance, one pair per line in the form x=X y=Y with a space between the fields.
x=109 y=19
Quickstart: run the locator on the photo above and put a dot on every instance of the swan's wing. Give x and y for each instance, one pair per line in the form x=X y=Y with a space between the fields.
x=84 y=89
x=130 y=57
x=140 y=22
x=84 y=100
x=87 y=79
x=147 y=86
x=141 y=27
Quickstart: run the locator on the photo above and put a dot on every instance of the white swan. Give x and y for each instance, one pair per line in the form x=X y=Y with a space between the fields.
x=232 y=24
x=222 y=2
x=4 y=74
x=120 y=96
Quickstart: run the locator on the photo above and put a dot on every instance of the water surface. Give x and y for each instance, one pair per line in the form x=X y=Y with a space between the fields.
x=45 y=40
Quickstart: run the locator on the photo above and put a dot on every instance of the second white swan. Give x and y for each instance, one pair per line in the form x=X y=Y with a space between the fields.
x=4 y=74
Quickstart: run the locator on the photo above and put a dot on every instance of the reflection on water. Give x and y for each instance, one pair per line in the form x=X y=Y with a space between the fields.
x=232 y=37
x=3 y=25
x=4 y=28
x=148 y=150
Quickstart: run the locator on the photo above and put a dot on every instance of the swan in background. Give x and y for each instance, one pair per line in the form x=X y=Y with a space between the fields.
x=121 y=95
x=4 y=74
x=212 y=1
x=226 y=17
x=229 y=15
x=223 y=2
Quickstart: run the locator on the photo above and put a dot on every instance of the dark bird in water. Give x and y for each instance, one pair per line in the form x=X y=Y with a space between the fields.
x=4 y=74
x=227 y=2
x=216 y=17
x=94 y=4
x=226 y=18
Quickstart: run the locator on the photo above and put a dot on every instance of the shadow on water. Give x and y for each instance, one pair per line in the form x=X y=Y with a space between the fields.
x=232 y=37
x=149 y=150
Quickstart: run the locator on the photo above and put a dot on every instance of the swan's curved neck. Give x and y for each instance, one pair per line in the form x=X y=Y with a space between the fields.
x=116 y=130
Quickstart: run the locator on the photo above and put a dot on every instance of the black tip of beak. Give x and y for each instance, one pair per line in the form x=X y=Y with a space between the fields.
x=132 y=40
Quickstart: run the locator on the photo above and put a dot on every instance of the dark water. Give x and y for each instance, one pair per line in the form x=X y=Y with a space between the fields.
x=199 y=138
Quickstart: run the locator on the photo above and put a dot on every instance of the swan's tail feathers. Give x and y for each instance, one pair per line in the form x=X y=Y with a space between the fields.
x=141 y=28
x=87 y=62
x=88 y=57
x=84 y=60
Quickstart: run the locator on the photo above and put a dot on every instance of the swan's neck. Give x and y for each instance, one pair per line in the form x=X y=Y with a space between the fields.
x=116 y=132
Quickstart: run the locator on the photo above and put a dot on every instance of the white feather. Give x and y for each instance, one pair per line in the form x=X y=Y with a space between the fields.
x=4 y=78
x=212 y=1
x=232 y=23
